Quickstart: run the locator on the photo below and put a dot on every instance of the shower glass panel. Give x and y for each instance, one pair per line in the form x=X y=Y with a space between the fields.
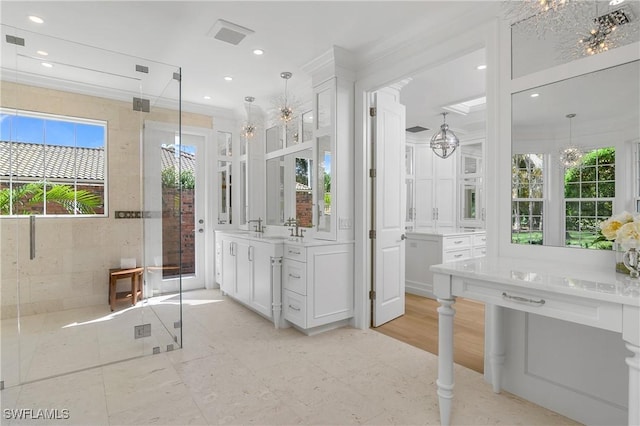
x=73 y=188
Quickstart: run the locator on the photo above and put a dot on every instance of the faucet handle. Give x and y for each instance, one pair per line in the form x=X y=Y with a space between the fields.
x=302 y=233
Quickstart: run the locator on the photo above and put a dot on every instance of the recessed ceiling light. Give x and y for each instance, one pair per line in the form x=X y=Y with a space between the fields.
x=42 y=53
x=207 y=97
x=47 y=65
x=258 y=52
x=36 y=19
x=481 y=67
x=228 y=78
x=615 y=2
x=535 y=95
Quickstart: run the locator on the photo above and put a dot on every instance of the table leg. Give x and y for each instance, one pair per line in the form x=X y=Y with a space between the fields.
x=112 y=292
x=445 y=359
x=496 y=354
x=634 y=384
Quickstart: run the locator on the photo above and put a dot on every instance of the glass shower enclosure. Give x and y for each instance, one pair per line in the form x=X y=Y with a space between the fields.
x=85 y=193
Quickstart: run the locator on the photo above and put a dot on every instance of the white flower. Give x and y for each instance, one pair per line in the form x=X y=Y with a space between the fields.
x=611 y=226
x=629 y=235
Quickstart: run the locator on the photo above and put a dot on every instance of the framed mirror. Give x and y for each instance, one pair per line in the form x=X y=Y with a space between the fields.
x=290 y=188
x=560 y=203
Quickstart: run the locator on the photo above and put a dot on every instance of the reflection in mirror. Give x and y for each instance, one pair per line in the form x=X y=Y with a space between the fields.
x=303 y=165
x=244 y=205
x=324 y=183
x=224 y=144
x=324 y=108
x=560 y=43
x=471 y=184
x=293 y=131
x=275 y=191
x=307 y=126
x=562 y=206
x=224 y=192
x=290 y=189
x=274 y=138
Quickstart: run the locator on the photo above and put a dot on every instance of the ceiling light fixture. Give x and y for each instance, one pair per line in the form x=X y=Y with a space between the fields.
x=539 y=16
x=207 y=97
x=42 y=53
x=615 y=2
x=285 y=110
x=572 y=154
x=228 y=78
x=481 y=67
x=444 y=142
x=47 y=65
x=249 y=128
x=36 y=19
x=258 y=52
x=535 y=95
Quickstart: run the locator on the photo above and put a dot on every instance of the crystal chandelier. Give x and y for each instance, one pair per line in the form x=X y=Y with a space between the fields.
x=249 y=128
x=285 y=110
x=541 y=16
x=571 y=156
x=444 y=142
x=605 y=32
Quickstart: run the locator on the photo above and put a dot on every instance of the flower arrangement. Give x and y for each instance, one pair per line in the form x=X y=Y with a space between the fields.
x=623 y=229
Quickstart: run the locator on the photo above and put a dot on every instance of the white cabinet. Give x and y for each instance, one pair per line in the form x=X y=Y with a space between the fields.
x=424 y=249
x=471 y=184
x=435 y=189
x=317 y=282
x=249 y=274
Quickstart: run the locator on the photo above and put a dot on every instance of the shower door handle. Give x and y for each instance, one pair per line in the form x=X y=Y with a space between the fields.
x=32 y=237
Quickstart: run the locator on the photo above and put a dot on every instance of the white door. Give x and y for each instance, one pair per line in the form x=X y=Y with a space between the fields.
x=174 y=221
x=389 y=208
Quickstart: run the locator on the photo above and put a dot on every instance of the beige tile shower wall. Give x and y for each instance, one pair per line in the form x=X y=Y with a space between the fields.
x=75 y=254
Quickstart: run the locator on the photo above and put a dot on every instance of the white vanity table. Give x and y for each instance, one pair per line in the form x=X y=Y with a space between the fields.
x=576 y=293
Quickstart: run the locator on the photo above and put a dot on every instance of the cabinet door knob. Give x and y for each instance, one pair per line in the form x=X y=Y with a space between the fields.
x=403 y=237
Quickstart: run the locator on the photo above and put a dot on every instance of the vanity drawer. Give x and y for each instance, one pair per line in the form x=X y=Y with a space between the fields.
x=479 y=251
x=451 y=255
x=295 y=308
x=585 y=311
x=294 y=276
x=454 y=243
x=295 y=252
x=479 y=240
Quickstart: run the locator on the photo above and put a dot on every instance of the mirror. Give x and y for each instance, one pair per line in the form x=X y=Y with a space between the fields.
x=224 y=193
x=274 y=138
x=290 y=188
x=554 y=204
x=471 y=184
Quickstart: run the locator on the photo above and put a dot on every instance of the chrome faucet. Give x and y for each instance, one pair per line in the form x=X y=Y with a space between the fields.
x=258 y=227
x=293 y=222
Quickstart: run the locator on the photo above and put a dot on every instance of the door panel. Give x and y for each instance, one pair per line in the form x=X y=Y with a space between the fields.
x=389 y=206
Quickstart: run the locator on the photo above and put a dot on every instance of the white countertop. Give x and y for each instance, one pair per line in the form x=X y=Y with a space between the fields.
x=445 y=232
x=559 y=277
x=279 y=239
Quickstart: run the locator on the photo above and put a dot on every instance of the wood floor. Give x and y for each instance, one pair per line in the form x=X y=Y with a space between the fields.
x=419 y=327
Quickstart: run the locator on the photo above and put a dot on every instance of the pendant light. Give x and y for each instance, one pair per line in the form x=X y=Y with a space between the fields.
x=249 y=128
x=571 y=156
x=285 y=110
x=444 y=142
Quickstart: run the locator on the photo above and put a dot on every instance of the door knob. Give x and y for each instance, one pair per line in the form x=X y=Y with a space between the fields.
x=201 y=230
x=403 y=237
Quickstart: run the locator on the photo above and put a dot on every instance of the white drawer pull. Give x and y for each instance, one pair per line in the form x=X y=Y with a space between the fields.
x=294 y=308
x=297 y=277
x=458 y=255
x=293 y=252
x=523 y=299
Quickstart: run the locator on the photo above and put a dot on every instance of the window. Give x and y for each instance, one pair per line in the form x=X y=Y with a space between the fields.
x=51 y=165
x=527 y=198
x=589 y=192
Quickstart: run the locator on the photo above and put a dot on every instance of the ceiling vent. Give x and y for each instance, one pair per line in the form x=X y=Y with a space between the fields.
x=615 y=18
x=228 y=32
x=416 y=129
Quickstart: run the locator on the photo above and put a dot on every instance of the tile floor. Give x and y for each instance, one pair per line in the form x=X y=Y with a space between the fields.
x=235 y=368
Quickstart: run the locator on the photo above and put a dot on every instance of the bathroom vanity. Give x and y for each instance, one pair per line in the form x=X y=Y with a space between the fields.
x=427 y=248
x=289 y=281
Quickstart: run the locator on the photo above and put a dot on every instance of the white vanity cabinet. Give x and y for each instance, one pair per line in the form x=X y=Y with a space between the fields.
x=424 y=249
x=317 y=281
x=249 y=274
